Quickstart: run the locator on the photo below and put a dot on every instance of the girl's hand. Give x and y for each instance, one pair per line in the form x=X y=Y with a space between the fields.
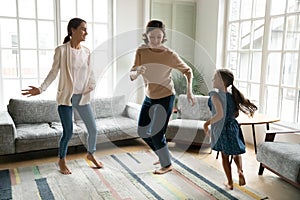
x=31 y=92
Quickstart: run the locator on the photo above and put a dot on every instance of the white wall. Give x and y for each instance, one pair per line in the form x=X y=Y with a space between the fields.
x=130 y=17
x=209 y=29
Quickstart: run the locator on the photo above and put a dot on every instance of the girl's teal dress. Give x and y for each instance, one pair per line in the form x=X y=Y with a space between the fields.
x=226 y=134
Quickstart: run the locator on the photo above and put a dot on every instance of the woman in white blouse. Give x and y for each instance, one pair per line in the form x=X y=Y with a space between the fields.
x=76 y=81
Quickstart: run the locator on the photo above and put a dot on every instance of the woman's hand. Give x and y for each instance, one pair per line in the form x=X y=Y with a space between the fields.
x=205 y=127
x=31 y=92
x=141 y=70
x=88 y=89
x=191 y=98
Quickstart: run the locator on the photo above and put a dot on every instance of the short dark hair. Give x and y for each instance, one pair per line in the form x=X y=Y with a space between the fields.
x=154 y=24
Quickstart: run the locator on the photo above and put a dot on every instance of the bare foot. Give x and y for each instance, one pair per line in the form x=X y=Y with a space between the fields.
x=163 y=170
x=242 y=180
x=156 y=163
x=63 y=167
x=229 y=186
x=91 y=158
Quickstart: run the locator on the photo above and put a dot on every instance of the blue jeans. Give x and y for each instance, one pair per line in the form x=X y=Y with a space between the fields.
x=153 y=123
x=86 y=114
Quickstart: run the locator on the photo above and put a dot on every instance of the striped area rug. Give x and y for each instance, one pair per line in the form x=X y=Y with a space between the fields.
x=125 y=176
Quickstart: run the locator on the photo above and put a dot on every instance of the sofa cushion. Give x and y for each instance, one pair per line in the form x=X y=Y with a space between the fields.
x=33 y=111
x=114 y=128
x=187 y=131
x=107 y=107
x=281 y=157
x=200 y=111
x=30 y=137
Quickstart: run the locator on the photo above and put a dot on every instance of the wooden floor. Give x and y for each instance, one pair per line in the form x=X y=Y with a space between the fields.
x=269 y=184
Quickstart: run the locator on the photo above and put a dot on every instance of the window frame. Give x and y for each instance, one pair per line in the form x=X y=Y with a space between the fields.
x=244 y=84
x=58 y=35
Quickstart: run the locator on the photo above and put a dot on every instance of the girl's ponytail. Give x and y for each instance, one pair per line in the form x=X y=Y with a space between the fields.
x=242 y=103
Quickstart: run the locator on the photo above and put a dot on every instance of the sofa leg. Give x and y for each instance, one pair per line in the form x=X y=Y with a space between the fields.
x=261 y=169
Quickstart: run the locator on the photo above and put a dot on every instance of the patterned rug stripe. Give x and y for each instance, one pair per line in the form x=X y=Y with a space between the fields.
x=44 y=189
x=170 y=187
x=122 y=182
x=36 y=172
x=205 y=169
x=126 y=179
x=205 y=180
x=209 y=190
x=190 y=182
x=113 y=192
x=166 y=188
x=136 y=160
x=5 y=185
x=209 y=196
x=175 y=187
x=125 y=176
x=206 y=190
x=14 y=176
x=138 y=179
x=251 y=194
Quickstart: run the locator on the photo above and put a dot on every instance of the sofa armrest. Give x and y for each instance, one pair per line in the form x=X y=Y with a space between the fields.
x=7 y=134
x=132 y=110
x=270 y=134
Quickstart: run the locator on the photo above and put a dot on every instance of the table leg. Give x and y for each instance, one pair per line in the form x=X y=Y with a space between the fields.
x=267 y=125
x=254 y=138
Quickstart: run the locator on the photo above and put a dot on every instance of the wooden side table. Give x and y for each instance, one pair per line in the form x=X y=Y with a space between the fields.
x=257 y=119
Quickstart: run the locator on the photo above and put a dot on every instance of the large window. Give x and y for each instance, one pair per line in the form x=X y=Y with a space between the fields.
x=263 y=43
x=29 y=32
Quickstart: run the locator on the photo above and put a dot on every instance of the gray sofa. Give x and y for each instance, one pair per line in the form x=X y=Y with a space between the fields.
x=187 y=127
x=282 y=158
x=30 y=125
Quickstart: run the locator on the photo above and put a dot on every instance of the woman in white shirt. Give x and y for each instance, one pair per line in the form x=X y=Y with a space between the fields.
x=76 y=81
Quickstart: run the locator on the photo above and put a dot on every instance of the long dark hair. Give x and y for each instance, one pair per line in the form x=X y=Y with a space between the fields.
x=241 y=102
x=73 y=23
x=153 y=24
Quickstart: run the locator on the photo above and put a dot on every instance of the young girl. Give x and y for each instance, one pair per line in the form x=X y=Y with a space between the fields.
x=155 y=62
x=226 y=134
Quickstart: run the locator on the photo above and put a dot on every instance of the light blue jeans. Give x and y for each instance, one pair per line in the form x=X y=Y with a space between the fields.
x=86 y=114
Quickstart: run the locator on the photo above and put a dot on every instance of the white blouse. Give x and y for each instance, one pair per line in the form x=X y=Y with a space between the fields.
x=79 y=68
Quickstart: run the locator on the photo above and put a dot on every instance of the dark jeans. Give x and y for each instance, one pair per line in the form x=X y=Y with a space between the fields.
x=153 y=123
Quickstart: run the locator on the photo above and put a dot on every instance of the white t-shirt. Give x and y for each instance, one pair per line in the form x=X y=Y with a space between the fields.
x=79 y=68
